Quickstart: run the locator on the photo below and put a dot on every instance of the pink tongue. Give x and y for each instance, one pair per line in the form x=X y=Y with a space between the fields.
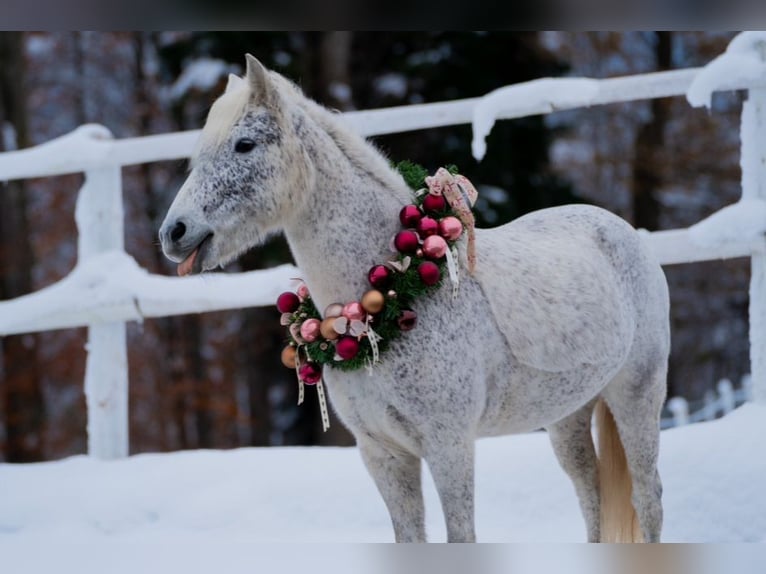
x=185 y=267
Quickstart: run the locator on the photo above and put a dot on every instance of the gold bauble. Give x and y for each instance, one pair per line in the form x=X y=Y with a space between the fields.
x=328 y=330
x=373 y=301
x=288 y=357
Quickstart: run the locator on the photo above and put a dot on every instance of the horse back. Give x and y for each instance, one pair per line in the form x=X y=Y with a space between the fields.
x=568 y=286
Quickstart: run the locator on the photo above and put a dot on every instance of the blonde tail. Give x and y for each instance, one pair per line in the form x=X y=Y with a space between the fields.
x=619 y=522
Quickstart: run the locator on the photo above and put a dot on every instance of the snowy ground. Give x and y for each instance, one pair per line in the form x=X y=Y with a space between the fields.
x=713 y=475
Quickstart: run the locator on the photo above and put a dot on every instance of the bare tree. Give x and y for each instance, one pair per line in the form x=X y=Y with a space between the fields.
x=22 y=398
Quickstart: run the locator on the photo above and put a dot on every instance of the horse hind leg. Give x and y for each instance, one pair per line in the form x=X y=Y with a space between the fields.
x=634 y=407
x=397 y=474
x=573 y=445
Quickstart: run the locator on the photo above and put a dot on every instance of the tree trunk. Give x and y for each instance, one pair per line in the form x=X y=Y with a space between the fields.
x=648 y=162
x=21 y=393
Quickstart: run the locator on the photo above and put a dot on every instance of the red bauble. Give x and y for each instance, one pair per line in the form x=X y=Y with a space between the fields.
x=434 y=247
x=347 y=348
x=427 y=226
x=429 y=273
x=410 y=215
x=379 y=276
x=407 y=320
x=288 y=302
x=434 y=203
x=310 y=373
x=406 y=241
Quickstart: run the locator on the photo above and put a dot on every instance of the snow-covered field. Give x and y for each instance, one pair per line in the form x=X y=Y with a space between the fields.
x=713 y=475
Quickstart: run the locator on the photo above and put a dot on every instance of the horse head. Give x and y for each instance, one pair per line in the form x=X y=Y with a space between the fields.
x=248 y=174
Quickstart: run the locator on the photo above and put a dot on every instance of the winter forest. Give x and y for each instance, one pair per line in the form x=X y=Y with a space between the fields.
x=215 y=380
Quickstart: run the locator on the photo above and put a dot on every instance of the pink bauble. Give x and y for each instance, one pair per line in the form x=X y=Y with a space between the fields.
x=288 y=302
x=429 y=273
x=434 y=203
x=303 y=291
x=379 y=276
x=310 y=373
x=434 y=247
x=310 y=329
x=354 y=311
x=407 y=320
x=410 y=215
x=450 y=228
x=427 y=226
x=347 y=348
x=406 y=241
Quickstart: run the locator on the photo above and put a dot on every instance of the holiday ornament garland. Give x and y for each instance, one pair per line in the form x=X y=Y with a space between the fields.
x=352 y=335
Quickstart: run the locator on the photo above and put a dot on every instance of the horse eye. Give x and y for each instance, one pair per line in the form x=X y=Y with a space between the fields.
x=244 y=145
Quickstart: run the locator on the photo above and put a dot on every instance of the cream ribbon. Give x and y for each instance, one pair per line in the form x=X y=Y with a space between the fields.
x=461 y=195
x=323 y=406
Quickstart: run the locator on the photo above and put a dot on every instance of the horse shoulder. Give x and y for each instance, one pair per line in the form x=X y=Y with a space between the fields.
x=555 y=293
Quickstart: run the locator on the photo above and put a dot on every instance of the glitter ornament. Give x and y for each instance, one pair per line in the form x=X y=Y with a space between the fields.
x=373 y=301
x=333 y=310
x=429 y=273
x=347 y=348
x=434 y=203
x=450 y=228
x=406 y=241
x=410 y=215
x=379 y=276
x=327 y=328
x=354 y=311
x=288 y=302
x=427 y=226
x=310 y=330
x=288 y=357
x=434 y=247
x=310 y=373
x=407 y=320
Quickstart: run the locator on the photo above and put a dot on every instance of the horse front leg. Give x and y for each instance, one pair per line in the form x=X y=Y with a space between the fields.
x=452 y=468
x=398 y=477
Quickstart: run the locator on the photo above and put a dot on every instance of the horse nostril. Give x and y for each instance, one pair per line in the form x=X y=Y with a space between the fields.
x=177 y=232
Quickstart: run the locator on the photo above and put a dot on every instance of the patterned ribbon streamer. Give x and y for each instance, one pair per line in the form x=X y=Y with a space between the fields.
x=461 y=195
x=323 y=406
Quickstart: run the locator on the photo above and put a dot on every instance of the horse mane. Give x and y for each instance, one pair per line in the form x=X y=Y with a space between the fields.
x=232 y=105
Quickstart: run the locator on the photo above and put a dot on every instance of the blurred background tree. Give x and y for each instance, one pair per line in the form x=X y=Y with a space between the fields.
x=215 y=380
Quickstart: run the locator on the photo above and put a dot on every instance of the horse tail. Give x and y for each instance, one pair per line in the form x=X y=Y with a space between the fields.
x=619 y=522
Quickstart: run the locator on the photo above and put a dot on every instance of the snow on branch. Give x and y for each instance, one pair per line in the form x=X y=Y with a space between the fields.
x=743 y=62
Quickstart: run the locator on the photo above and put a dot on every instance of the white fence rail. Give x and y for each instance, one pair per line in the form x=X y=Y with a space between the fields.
x=107 y=288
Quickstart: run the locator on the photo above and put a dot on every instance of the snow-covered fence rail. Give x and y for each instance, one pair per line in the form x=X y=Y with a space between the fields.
x=107 y=288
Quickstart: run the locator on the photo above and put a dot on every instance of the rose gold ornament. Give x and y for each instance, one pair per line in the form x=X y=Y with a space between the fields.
x=353 y=311
x=310 y=330
x=434 y=247
x=373 y=301
x=450 y=228
x=333 y=310
x=327 y=328
x=288 y=357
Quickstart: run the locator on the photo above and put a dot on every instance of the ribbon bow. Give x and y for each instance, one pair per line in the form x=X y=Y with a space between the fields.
x=461 y=195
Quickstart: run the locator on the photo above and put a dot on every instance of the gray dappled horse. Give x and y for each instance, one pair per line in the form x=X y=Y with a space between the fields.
x=566 y=312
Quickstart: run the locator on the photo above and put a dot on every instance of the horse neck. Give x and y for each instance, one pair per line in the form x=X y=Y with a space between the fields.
x=351 y=213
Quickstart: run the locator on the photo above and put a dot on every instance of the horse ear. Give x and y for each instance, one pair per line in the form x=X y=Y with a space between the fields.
x=233 y=83
x=260 y=83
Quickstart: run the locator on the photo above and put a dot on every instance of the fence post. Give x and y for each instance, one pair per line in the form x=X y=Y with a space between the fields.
x=99 y=217
x=726 y=394
x=753 y=162
x=679 y=408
